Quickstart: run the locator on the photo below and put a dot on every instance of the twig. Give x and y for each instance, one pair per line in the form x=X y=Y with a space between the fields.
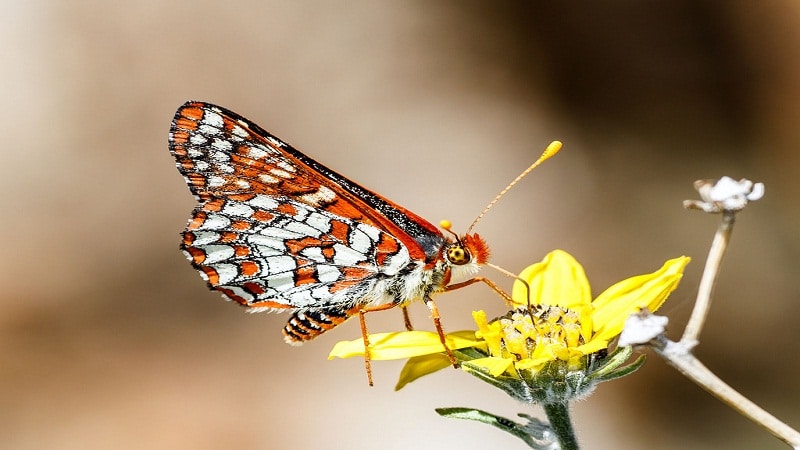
x=679 y=354
x=709 y=279
x=680 y=357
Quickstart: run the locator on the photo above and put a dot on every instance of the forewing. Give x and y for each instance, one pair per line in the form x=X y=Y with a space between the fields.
x=269 y=252
x=224 y=156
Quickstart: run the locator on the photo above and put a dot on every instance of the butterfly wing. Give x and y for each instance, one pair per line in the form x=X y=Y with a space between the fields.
x=274 y=228
x=271 y=252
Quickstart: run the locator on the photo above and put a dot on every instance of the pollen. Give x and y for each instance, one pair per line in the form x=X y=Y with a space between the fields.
x=522 y=333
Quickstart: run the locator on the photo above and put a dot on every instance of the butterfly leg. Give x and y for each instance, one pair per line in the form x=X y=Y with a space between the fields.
x=365 y=335
x=438 y=323
x=407 y=318
x=362 y=312
x=488 y=282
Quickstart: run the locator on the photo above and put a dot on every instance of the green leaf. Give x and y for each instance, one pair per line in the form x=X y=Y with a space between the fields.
x=622 y=371
x=502 y=423
x=514 y=387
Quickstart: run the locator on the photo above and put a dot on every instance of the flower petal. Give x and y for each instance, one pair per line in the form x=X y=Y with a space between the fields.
x=494 y=365
x=419 y=366
x=613 y=306
x=593 y=346
x=557 y=280
x=405 y=344
x=491 y=333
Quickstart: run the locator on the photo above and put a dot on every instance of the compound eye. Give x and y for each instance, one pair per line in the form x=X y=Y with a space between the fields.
x=458 y=255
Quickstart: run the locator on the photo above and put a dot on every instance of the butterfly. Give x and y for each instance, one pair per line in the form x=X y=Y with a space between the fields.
x=275 y=230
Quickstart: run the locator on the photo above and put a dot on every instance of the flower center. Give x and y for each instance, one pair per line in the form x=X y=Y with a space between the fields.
x=524 y=332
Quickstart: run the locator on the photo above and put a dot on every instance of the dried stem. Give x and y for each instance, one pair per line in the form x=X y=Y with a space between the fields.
x=709 y=279
x=680 y=357
x=679 y=354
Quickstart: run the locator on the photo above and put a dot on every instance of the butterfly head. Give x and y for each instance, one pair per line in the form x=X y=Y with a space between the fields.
x=471 y=248
x=464 y=255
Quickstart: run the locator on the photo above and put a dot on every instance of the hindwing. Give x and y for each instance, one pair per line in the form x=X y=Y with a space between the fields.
x=273 y=252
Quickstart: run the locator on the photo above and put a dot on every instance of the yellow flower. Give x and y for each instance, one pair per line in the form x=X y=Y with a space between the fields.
x=555 y=320
x=563 y=322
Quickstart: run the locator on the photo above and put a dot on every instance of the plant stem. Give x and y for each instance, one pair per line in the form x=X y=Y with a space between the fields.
x=709 y=279
x=561 y=423
x=682 y=359
x=679 y=354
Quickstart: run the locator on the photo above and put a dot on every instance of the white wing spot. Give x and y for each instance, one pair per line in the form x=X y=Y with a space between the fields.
x=212 y=118
x=198 y=139
x=283 y=263
x=281 y=281
x=275 y=141
x=286 y=166
x=321 y=293
x=237 y=209
x=373 y=233
x=397 y=261
x=227 y=168
x=302 y=229
x=243 y=184
x=322 y=196
x=215 y=222
x=217 y=253
x=359 y=241
x=312 y=253
x=215 y=181
x=219 y=156
x=263 y=202
x=239 y=131
x=204 y=237
x=268 y=179
x=304 y=298
x=318 y=221
x=257 y=153
x=221 y=144
x=267 y=245
x=280 y=233
x=281 y=173
x=327 y=274
x=346 y=256
x=226 y=272
x=208 y=130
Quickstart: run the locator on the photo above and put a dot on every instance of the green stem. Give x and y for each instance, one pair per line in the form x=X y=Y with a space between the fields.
x=560 y=422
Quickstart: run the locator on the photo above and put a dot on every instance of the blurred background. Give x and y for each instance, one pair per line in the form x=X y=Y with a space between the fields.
x=110 y=339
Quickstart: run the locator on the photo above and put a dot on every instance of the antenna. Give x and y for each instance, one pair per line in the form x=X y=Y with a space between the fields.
x=551 y=150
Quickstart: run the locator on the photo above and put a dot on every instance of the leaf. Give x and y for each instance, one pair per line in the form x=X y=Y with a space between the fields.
x=502 y=423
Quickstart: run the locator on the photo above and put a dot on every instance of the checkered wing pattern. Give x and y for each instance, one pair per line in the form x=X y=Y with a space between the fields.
x=274 y=229
x=275 y=253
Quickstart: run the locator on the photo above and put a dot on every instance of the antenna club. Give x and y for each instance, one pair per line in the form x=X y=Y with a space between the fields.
x=551 y=150
x=445 y=224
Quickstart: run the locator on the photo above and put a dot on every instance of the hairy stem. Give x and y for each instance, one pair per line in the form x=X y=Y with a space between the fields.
x=561 y=423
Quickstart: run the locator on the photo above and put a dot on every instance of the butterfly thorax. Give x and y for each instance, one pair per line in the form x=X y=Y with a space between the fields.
x=456 y=261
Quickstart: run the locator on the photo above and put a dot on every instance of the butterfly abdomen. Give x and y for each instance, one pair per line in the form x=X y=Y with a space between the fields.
x=414 y=282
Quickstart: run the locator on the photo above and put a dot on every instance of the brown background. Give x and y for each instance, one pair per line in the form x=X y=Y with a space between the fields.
x=110 y=340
